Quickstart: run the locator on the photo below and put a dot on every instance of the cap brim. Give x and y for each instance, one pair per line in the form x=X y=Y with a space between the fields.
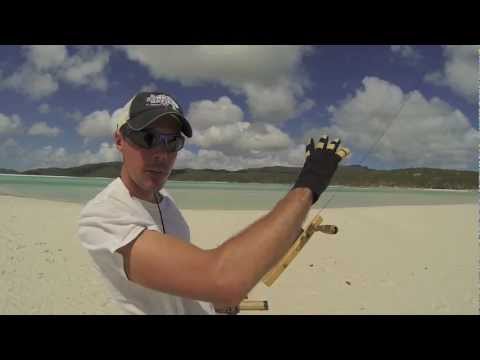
x=146 y=118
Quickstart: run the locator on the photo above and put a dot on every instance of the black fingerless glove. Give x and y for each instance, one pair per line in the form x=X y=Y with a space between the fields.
x=318 y=169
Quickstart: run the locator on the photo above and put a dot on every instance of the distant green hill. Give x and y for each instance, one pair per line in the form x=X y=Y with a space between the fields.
x=8 y=171
x=355 y=175
x=108 y=170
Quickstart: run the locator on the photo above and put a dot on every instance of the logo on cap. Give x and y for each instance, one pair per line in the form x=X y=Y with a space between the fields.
x=163 y=100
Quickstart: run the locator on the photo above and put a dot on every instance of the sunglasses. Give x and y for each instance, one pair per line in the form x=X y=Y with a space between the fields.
x=154 y=138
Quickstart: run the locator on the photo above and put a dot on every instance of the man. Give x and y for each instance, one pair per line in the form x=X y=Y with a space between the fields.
x=140 y=243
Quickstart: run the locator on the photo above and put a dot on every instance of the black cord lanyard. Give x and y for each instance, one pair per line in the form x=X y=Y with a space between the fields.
x=160 y=212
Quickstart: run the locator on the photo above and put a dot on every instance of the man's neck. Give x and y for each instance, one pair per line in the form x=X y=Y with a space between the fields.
x=134 y=189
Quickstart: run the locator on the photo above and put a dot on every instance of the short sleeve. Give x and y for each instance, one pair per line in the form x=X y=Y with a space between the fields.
x=108 y=225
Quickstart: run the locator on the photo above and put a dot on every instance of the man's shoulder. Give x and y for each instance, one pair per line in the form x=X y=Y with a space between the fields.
x=113 y=196
x=167 y=197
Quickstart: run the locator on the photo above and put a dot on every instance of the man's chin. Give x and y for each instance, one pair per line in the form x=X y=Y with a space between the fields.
x=155 y=181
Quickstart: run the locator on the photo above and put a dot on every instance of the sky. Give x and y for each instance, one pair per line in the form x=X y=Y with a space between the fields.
x=393 y=106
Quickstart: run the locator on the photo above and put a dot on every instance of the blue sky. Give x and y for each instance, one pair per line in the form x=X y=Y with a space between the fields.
x=249 y=106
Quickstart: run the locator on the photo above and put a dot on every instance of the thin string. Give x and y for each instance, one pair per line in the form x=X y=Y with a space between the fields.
x=160 y=212
x=375 y=144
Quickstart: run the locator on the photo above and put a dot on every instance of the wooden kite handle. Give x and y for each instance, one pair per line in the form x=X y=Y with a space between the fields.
x=249 y=305
x=327 y=229
x=245 y=305
x=298 y=245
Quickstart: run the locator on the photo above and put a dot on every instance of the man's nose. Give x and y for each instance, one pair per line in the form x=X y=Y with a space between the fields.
x=160 y=153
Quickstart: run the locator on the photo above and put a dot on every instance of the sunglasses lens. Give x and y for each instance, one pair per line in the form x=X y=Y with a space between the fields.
x=150 y=139
x=175 y=144
x=138 y=139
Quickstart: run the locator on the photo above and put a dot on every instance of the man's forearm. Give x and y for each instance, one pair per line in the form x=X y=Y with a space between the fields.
x=246 y=257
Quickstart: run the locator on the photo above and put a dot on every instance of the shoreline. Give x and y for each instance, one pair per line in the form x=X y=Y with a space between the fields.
x=404 y=188
x=317 y=207
x=333 y=187
x=59 y=176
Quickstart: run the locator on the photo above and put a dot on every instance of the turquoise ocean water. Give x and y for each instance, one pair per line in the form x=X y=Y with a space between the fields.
x=229 y=196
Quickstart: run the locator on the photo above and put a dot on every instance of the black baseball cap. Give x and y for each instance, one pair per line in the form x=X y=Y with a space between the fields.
x=147 y=107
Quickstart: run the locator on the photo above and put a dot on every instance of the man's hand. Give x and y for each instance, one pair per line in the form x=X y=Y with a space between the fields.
x=320 y=165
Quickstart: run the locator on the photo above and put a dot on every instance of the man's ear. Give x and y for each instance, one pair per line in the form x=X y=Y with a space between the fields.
x=119 y=140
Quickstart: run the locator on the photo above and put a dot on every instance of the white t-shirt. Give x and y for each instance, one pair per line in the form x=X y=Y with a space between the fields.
x=113 y=219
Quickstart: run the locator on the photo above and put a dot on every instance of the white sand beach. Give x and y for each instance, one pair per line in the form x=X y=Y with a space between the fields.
x=384 y=260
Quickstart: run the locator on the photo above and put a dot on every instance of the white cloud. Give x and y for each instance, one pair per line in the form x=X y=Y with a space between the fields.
x=45 y=57
x=294 y=155
x=271 y=77
x=227 y=141
x=44 y=108
x=87 y=69
x=460 y=71
x=228 y=64
x=217 y=136
x=10 y=124
x=214 y=159
x=97 y=124
x=426 y=132
x=271 y=103
x=218 y=125
x=41 y=128
x=305 y=106
x=407 y=52
x=74 y=115
x=266 y=137
x=50 y=156
x=30 y=82
x=435 y=77
x=9 y=143
x=206 y=113
x=107 y=152
x=243 y=139
x=10 y=153
x=46 y=66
